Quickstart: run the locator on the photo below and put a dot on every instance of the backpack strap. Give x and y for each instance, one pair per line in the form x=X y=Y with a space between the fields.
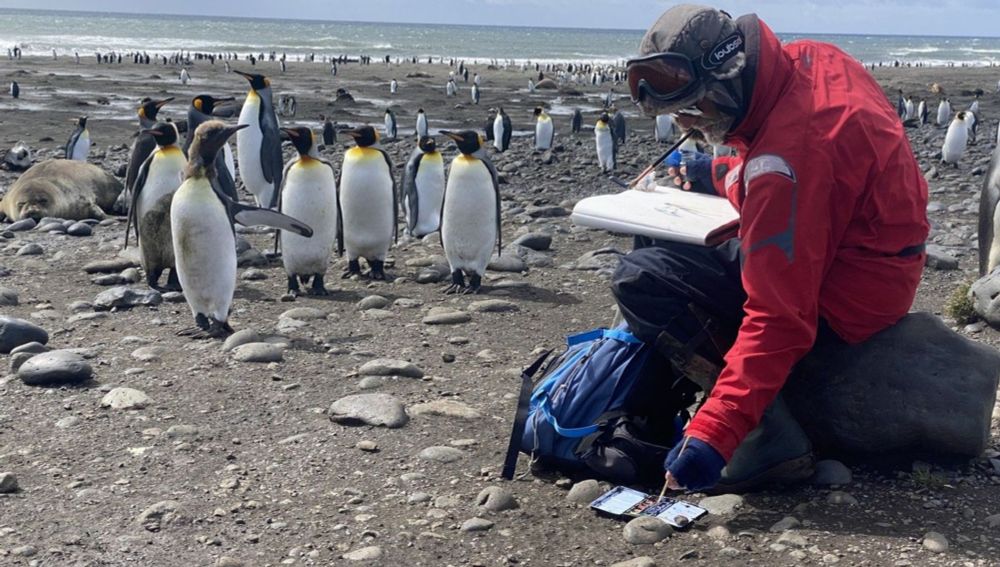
x=521 y=416
x=571 y=432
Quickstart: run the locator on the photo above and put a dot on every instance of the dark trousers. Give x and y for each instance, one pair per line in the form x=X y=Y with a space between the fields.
x=657 y=284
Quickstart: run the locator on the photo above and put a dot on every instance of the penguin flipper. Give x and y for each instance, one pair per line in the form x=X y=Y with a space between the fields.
x=395 y=198
x=248 y=215
x=340 y=218
x=132 y=219
x=496 y=191
x=225 y=180
x=271 y=162
x=410 y=189
x=142 y=146
x=508 y=129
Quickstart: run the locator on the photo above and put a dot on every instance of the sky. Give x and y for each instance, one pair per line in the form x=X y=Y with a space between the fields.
x=907 y=17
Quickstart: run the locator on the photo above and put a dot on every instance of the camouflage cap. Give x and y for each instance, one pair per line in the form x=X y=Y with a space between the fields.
x=688 y=29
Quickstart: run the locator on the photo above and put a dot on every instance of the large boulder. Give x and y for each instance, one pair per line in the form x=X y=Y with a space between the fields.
x=917 y=388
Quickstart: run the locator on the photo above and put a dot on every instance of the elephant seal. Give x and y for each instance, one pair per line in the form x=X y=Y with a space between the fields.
x=66 y=189
x=989 y=217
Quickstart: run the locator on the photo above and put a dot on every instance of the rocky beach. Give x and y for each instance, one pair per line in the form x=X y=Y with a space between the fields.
x=369 y=426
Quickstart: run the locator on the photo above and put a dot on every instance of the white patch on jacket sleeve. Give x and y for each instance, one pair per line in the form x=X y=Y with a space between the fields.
x=733 y=176
x=764 y=164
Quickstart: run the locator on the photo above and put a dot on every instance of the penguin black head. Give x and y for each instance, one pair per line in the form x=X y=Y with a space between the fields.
x=206 y=103
x=364 y=136
x=149 y=108
x=165 y=133
x=81 y=122
x=468 y=141
x=302 y=138
x=538 y=111
x=604 y=117
x=257 y=82
x=420 y=111
x=427 y=144
x=208 y=140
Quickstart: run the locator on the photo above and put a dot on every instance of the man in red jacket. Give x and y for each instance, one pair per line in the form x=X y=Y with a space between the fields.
x=832 y=228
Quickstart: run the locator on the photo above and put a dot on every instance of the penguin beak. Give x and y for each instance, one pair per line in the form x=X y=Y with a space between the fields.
x=151 y=132
x=452 y=135
x=230 y=130
x=353 y=133
x=289 y=133
x=160 y=104
x=244 y=75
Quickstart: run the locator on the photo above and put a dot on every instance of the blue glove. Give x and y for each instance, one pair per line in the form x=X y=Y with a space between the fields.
x=698 y=467
x=697 y=169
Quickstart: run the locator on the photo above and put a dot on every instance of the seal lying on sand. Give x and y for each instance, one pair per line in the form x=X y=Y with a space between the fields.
x=60 y=188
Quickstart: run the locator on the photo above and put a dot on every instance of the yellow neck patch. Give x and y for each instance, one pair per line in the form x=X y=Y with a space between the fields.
x=357 y=153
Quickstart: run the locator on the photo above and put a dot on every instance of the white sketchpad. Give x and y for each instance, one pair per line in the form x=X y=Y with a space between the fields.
x=666 y=214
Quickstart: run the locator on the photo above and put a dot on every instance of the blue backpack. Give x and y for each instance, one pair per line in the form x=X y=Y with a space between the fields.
x=581 y=411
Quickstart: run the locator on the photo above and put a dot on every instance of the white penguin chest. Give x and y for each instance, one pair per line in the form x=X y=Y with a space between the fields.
x=248 y=143
x=166 y=173
x=309 y=195
x=366 y=198
x=469 y=223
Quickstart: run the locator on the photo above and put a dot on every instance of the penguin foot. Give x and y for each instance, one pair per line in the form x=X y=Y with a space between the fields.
x=173 y=282
x=475 y=284
x=293 y=286
x=457 y=283
x=218 y=329
x=318 y=288
x=378 y=270
x=353 y=269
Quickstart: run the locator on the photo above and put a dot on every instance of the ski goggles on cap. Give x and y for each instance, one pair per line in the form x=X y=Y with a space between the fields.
x=671 y=77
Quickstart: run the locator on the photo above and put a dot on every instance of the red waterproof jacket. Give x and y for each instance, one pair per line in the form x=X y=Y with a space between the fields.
x=830 y=199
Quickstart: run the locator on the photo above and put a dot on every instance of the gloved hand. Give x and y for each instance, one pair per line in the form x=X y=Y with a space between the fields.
x=697 y=467
x=691 y=170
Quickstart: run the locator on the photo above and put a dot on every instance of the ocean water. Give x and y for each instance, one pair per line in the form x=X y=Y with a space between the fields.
x=39 y=32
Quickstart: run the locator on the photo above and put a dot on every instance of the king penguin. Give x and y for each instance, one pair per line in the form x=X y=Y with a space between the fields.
x=470 y=219
x=922 y=112
x=475 y=94
x=618 y=127
x=607 y=145
x=329 y=131
x=989 y=217
x=159 y=176
x=944 y=112
x=956 y=139
x=393 y=86
x=502 y=131
x=185 y=76
x=204 y=239
x=577 y=123
x=15 y=89
x=259 y=145
x=368 y=203
x=423 y=189
x=422 y=131
x=545 y=132
x=309 y=194
x=78 y=145
x=202 y=109
x=144 y=143
x=390 y=124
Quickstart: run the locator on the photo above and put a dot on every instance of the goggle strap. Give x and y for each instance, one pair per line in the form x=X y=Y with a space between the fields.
x=723 y=51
